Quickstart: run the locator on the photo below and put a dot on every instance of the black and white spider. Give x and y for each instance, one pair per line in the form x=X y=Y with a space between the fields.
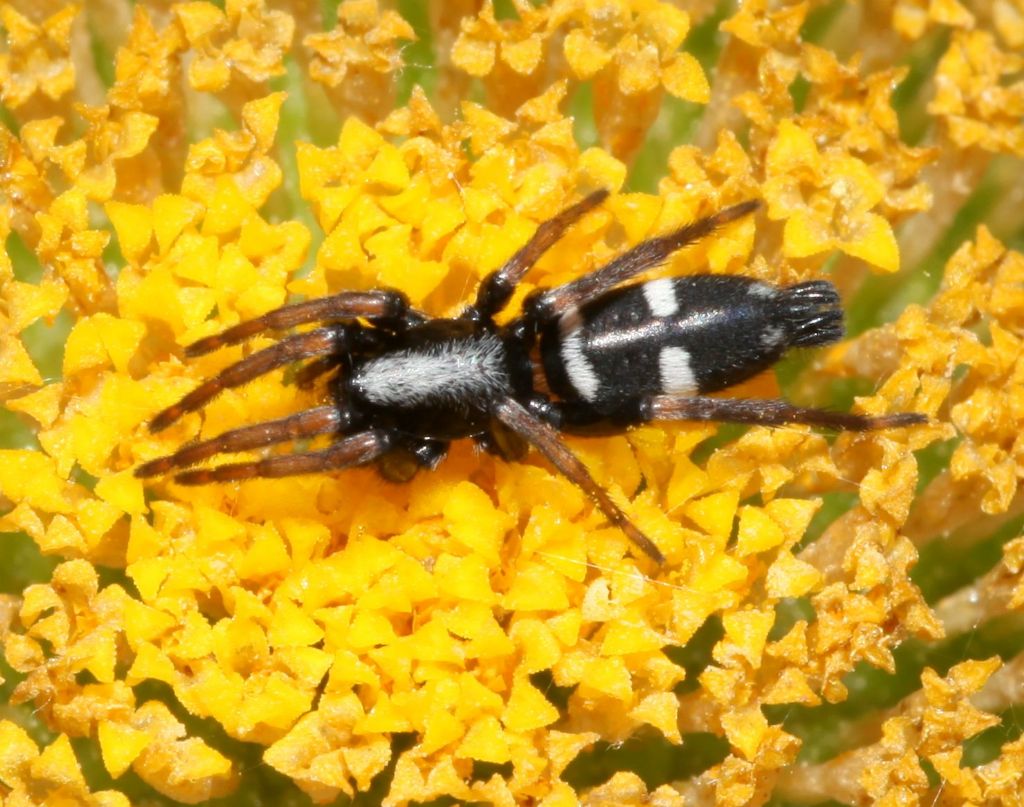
x=611 y=356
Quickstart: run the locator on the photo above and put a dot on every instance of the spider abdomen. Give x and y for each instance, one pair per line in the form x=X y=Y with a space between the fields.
x=682 y=336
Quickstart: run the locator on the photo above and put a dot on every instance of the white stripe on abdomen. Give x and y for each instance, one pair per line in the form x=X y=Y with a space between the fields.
x=578 y=368
x=676 y=372
x=661 y=297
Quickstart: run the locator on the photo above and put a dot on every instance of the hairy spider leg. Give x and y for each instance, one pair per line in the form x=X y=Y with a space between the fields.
x=321 y=420
x=357 y=449
x=771 y=412
x=545 y=439
x=552 y=303
x=290 y=349
x=378 y=304
x=498 y=286
x=306 y=376
x=578 y=417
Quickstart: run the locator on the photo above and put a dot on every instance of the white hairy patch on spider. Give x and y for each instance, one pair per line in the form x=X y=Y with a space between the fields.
x=676 y=372
x=445 y=373
x=577 y=366
x=773 y=336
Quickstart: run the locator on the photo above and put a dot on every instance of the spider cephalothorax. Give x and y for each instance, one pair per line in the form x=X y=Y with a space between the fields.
x=613 y=355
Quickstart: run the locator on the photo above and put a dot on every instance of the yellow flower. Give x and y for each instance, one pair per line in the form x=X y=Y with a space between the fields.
x=246 y=42
x=357 y=59
x=37 y=59
x=971 y=98
x=629 y=49
x=482 y=633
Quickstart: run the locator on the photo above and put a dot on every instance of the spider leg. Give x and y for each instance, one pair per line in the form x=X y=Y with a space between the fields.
x=552 y=303
x=766 y=413
x=309 y=373
x=359 y=449
x=321 y=420
x=497 y=287
x=580 y=418
x=501 y=441
x=575 y=417
x=288 y=350
x=545 y=439
x=379 y=304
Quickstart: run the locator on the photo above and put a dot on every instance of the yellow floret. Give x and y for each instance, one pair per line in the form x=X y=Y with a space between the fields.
x=527 y=709
x=120 y=746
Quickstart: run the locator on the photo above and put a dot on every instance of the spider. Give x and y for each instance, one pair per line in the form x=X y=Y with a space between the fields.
x=611 y=356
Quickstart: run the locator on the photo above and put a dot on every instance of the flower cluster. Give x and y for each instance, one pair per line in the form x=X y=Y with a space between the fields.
x=481 y=633
x=630 y=51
